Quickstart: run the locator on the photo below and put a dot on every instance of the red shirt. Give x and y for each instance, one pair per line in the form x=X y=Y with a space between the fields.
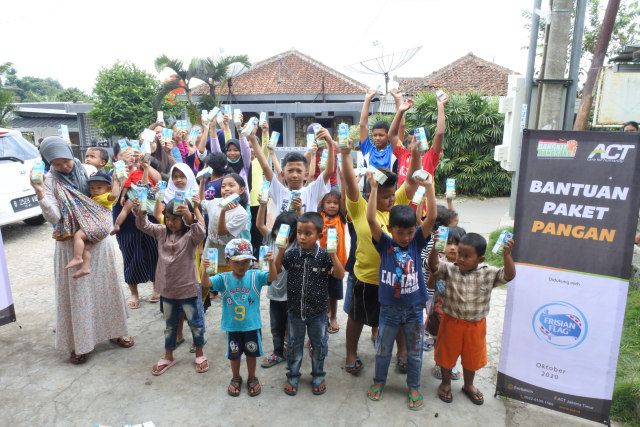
x=429 y=162
x=333 y=180
x=134 y=177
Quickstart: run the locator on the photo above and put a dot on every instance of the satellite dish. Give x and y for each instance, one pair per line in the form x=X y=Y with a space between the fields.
x=384 y=64
x=236 y=68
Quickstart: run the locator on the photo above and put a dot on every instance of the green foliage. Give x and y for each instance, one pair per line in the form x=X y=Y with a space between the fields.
x=123 y=100
x=36 y=89
x=215 y=71
x=491 y=258
x=474 y=127
x=72 y=94
x=7 y=107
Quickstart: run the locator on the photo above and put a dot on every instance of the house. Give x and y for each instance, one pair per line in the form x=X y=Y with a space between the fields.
x=294 y=90
x=467 y=74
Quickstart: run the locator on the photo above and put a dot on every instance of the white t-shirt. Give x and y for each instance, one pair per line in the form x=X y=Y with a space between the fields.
x=236 y=220
x=311 y=194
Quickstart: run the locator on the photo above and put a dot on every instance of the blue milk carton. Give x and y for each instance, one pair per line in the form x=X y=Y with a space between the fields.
x=450 y=192
x=264 y=265
x=212 y=256
x=505 y=236
x=343 y=135
x=283 y=235
x=37 y=175
x=178 y=199
x=441 y=242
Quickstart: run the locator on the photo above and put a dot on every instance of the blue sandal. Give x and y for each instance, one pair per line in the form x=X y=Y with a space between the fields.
x=355 y=367
x=271 y=360
x=293 y=382
x=317 y=382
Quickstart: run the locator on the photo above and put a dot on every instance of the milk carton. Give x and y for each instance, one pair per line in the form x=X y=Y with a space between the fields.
x=377 y=175
x=160 y=117
x=204 y=113
x=148 y=135
x=135 y=145
x=339 y=162
x=321 y=142
x=421 y=138
x=162 y=186
x=37 y=175
x=264 y=191
x=332 y=240
x=343 y=135
x=120 y=170
x=213 y=114
x=227 y=111
x=146 y=151
x=193 y=136
x=443 y=236
x=236 y=117
x=283 y=235
x=419 y=196
x=264 y=265
x=323 y=160
x=505 y=236
x=167 y=134
x=219 y=119
x=441 y=95
x=310 y=140
x=141 y=195
x=178 y=199
x=294 y=195
x=263 y=118
x=273 y=141
x=63 y=132
x=420 y=175
x=233 y=198
x=124 y=147
x=204 y=173
x=249 y=127
x=450 y=192
x=212 y=256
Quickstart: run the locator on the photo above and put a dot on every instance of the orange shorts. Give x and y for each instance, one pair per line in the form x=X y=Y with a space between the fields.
x=458 y=337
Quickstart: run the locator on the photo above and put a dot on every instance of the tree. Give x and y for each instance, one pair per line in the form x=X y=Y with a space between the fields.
x=7 y=107
x=124 y=97
x=216 y=72
x=181 y=78
x=73 y=94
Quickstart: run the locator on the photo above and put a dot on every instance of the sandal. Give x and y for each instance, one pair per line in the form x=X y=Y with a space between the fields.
x=154 y=299
x=163 y=362
x=193 y=347
x=236 y=383
x=271 y=360
x=437 y=373
x=415 y=400
x=428 y=344
x=293 y=383
x=77 y=359
x=476 y=397
x=133 y=303
x=199 y=361
x=124 y=342
x=445 y=395
x=375 y=391
x=318 y=382
x=253 y=384
x=355 y=367
x=401 y=364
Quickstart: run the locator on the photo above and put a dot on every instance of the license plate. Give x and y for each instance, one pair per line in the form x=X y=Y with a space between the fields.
x=24 y=203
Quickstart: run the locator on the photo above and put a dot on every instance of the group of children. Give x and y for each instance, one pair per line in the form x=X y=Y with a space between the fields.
x=394 y=271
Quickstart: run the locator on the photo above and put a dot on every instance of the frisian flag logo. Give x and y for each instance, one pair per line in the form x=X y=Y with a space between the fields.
x=560 y=324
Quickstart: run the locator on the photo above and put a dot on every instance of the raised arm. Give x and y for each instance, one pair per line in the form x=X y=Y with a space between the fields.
x=278 y=261
x=276 y=164
x=331 y=154
x=509 y=266
x=440 y=126
x=398 y=122
x=434 y=259
x=399 y=134
x=202 y=143
x=115 y=189
x=376 y=230
x=350 y=181
x=260 y=218
x=310 y=155
x=262 y=159
x=364 y=115
x=432 y=210
x=410 y=184
x=245 y=152
x=225 y=127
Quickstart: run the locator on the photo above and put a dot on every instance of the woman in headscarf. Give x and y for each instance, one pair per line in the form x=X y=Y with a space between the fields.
x=165 y=159
x=90 y=309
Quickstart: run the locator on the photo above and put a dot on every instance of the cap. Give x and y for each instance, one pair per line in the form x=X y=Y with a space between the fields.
x=238 y=250
x=102 y=176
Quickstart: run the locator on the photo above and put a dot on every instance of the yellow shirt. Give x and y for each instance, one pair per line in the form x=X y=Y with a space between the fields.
x=103 y=199
x=256 y=173
x=367 y=266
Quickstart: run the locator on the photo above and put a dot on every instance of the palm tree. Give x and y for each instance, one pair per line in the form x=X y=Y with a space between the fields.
x=181 y=78
x=215 y=71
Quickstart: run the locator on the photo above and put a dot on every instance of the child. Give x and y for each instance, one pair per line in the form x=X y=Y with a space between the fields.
x=277 y=292
x=225 y=223
x=307 y=295
x=181 y=179
x=402 y=292
x=97 y=157
x=103 y=192
x=139 y=178
x=240 y=293
x=468 y=287
x=294 y=172
x=332 y=209
x=434 y=311
x=218 y=164
x=379 y=154
x=176 y=278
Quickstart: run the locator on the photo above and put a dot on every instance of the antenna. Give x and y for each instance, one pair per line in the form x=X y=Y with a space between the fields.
x=384 y=64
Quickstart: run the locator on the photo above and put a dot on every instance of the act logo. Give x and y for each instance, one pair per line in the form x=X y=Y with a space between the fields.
x=560 y=324
x=610 y=153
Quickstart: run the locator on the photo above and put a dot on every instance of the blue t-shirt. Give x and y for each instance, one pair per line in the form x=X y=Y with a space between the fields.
x=401 y=280
x=240 y=299
x=375 y=158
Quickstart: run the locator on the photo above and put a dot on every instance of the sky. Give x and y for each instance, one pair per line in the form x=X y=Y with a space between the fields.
x=72 y=40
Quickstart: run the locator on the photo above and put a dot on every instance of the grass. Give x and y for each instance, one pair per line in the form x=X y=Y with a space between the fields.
x=625 y=406
x=491 y=258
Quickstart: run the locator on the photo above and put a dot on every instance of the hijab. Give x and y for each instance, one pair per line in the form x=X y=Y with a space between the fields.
x=238 y=165
x=55 y=147
x=190 y=188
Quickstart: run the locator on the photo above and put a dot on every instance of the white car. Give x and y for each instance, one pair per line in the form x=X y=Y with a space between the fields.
x=18 y=201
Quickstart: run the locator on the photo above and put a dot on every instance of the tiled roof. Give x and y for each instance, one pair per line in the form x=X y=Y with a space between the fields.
x=291 y=73
x=467 y=74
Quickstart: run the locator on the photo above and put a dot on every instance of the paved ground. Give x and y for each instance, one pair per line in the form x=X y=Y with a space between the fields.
x=39 y=387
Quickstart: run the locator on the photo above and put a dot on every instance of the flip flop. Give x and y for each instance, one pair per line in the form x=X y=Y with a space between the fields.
x=375 y=391
x=199 y=361
x=317 y=382
x=271 y=360
x=236 y=383
x=77 y=359
x=401 y=364
x=167 y=364
x=445 y=395
x=415 y=400
x=133 y=303
x=472 y=396
x=193 y=349
x=252 y=383
x=428 y=344
x=293 y=382
x=154 y=299
x=437 y=373
x=355 y=367
x=179 y=343
x=124 y=342
x=333 y=330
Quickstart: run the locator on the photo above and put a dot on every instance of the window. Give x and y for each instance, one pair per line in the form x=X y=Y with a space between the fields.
x=16 y=146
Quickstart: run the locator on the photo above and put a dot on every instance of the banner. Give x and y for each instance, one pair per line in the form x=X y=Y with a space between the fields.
x=7 y=312
x=575 y=223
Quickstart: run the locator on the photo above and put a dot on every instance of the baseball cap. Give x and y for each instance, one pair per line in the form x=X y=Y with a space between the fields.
x=101 y=175
x=238 y=250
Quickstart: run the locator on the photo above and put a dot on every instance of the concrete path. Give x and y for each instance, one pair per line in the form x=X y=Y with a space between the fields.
x=39 y=387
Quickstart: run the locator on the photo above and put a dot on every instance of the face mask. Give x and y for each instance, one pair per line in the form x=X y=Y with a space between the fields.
x=232 y=161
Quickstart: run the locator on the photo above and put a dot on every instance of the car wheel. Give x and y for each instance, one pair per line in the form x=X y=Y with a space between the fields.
x=36 y=220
